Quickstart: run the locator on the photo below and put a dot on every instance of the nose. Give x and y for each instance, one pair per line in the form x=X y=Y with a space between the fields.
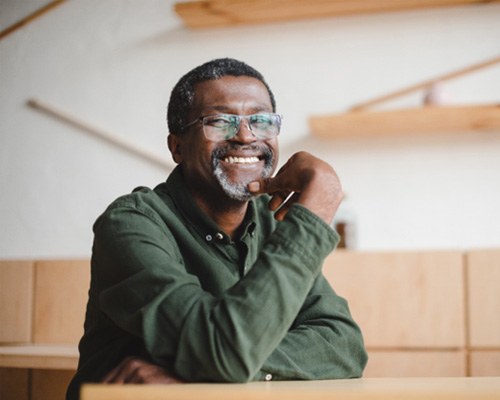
x=244 y=134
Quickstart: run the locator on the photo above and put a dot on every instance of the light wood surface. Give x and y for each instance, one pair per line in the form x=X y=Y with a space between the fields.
x=423 y=120
x=39 y=356
x=416 y=363
x=484 y=298
x=403 y=300
x=219 y=13
x=485 y=363
x=366 y=388
x=16 y=301
x=61 y=293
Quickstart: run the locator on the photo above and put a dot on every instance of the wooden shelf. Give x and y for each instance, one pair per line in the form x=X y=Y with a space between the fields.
x=408 y=121
x=220 y=13
x=39 y=356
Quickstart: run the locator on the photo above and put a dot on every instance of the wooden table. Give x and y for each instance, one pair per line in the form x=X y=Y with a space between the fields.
x=364 y=389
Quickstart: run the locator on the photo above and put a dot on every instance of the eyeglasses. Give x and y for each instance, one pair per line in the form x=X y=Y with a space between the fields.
x=220 y=127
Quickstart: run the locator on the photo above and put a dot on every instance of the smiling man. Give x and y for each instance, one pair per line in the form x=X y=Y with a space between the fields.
x=215 y=275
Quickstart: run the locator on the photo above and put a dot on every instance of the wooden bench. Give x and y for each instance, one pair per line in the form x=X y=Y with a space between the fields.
x=42 y=307
x=424 y=313
x=434 y=313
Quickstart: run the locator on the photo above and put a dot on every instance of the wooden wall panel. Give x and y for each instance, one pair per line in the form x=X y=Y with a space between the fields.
x=403 y=300
x=16 y=301
x=61 y=292
x=14 y=384
x=50 y=384
x=485 y=363
x=483 y=268
x=415 y=364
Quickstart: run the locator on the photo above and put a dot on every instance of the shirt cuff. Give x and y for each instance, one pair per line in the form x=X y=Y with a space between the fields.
x=307 y=235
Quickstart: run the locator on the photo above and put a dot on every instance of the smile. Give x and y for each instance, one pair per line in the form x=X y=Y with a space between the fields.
x=241 y=160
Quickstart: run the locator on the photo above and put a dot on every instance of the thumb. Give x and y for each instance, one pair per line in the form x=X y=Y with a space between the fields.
x=266 y=185
x=255 y=187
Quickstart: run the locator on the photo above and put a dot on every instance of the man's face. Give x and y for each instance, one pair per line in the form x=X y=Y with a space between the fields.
x=226 y=167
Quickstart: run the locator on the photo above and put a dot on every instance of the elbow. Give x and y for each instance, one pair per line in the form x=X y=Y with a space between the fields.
x=217 y=369
x=358 y=358
x=359 y=366
x=236 y=372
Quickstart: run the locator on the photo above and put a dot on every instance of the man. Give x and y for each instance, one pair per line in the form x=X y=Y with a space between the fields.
x=207 y=278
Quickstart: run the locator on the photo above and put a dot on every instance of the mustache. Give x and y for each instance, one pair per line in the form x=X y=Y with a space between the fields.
x=265 y=152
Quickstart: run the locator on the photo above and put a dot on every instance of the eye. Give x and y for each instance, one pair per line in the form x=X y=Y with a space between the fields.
x=219 y=121
x=262 y=121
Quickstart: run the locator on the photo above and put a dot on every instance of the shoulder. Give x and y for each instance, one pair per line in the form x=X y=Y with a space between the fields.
x=142 y=202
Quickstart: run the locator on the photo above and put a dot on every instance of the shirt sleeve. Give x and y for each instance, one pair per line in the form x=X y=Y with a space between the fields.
x=145 y=290
x=324 y=342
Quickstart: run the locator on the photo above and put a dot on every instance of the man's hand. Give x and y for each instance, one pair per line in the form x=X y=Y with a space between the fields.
x=305 y=180
x=136 y=370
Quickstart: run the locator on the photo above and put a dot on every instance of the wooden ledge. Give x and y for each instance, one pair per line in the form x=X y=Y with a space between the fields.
x=431 y=119
x=223 y=13
x=39 y=356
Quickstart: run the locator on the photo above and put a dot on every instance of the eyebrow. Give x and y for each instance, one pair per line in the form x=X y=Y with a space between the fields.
x=226 y=110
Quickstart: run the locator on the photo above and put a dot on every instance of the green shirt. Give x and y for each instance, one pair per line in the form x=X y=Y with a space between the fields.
x=168 y=285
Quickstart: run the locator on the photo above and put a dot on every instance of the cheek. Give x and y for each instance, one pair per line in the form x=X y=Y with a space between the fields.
x=201 y=155
x=273 y=145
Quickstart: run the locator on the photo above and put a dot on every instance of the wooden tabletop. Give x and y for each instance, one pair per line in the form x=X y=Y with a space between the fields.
x=478 y=388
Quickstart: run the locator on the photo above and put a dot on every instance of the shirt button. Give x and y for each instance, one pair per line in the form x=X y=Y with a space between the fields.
x=208 y=238
x=268 y=377
x=219 y=236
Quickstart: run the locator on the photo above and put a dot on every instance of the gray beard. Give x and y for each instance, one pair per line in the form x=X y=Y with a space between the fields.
x=239 y=191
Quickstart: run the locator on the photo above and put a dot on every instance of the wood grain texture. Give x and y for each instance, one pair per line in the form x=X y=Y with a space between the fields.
x=39 y=356
x=50 y=384
x=61 y=293
x=423 y=120
x=14 y=384
x=359 y=389
x=220 y=13
x=484 y=298
x=412 y=300
x=16 y=301
x=415 y=364
x=485 y=363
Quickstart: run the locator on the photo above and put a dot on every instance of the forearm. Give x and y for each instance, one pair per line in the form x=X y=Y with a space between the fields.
x=324 y=343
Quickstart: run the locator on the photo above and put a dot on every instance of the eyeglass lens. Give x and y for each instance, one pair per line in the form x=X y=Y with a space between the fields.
x=226 y=126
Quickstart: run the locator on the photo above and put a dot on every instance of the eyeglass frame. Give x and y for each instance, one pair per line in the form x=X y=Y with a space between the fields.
x=240 y=117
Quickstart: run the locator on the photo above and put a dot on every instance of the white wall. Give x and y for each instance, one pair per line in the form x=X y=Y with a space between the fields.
x=113 y=64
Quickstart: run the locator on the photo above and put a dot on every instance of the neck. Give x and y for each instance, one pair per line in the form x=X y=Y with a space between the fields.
x=228 y=214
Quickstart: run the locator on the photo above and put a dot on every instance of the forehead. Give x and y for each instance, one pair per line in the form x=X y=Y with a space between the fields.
x=231 y=92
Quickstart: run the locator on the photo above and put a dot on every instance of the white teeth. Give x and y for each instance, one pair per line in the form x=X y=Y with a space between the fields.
x=241 y=160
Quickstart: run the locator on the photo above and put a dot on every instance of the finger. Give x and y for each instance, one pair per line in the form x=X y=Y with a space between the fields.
x=267 y=185
x=254 y=187
x=134 y=376
x=120 y=373
x=278 y=199
x=114 y=375
x=281 y=213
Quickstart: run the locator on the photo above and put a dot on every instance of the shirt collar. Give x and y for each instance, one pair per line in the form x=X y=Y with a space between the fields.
x=203 y=224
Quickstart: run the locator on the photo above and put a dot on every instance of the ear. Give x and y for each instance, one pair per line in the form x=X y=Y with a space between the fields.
x=174 y=145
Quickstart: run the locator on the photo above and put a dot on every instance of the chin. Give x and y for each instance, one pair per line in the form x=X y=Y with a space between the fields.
x=234 y=182
x=235 y=191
